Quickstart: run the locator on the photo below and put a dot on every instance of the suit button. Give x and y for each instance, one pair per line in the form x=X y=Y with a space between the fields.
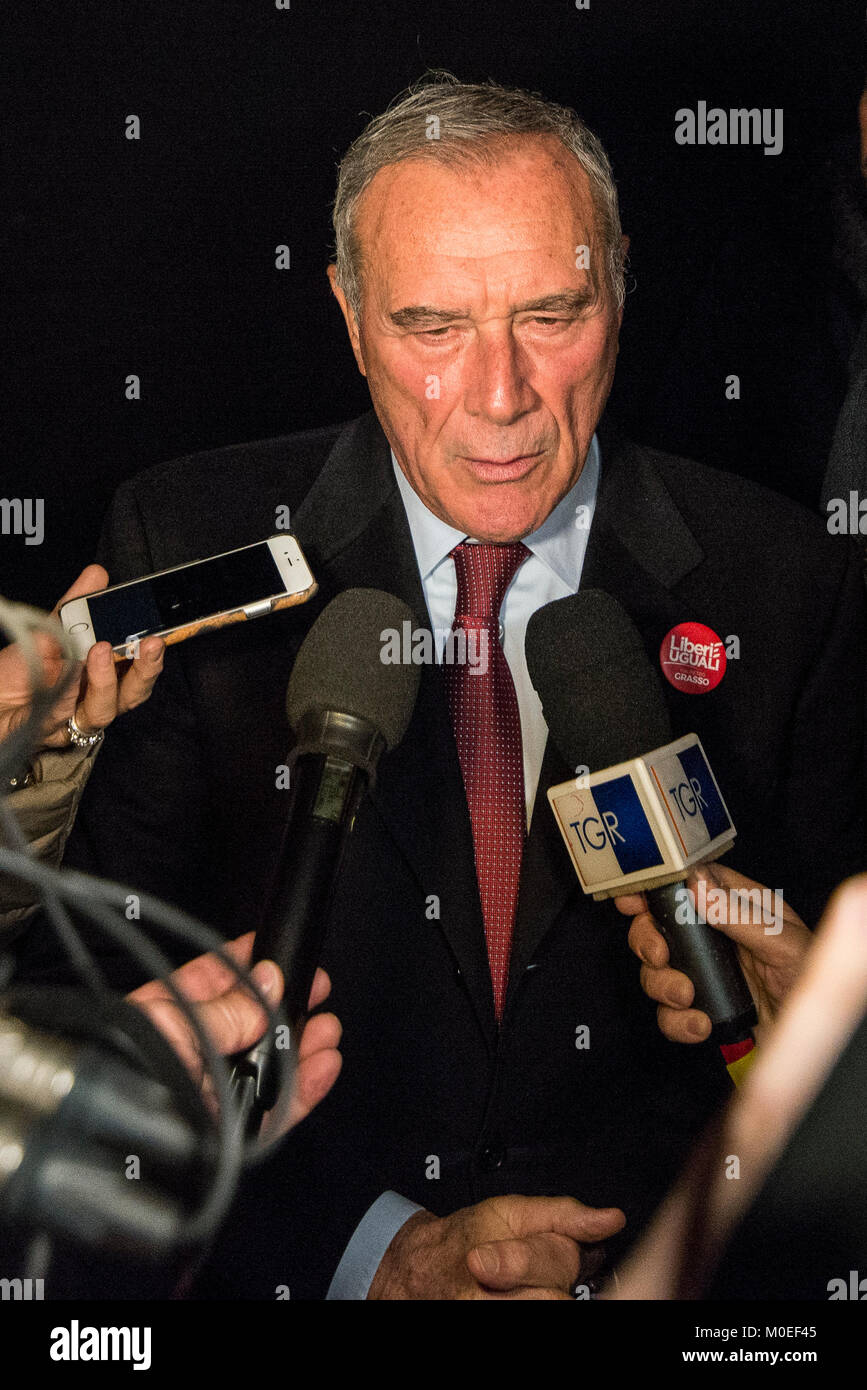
x=491 y=1157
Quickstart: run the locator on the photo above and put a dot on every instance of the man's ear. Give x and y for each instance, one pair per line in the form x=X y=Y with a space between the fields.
x=349 y=318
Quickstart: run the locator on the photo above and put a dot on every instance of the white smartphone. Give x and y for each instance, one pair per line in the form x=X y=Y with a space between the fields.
x=182 y=602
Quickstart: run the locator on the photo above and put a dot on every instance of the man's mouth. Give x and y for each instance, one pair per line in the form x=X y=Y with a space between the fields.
x=497 y=470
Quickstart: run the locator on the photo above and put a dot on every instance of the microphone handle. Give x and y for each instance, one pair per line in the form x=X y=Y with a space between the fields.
x=325 y=794
x=710 y=960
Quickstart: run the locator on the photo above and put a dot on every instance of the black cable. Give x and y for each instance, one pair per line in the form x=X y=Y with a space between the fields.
x=93 y=897
x=71 y=940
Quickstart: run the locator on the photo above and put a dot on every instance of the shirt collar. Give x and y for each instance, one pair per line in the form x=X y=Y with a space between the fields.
x=559 y=542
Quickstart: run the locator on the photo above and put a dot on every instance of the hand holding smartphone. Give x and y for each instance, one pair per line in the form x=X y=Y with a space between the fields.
x=104 y=691
x=186 y=600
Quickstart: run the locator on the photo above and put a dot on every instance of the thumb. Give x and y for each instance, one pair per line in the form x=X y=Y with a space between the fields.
x=92 y=578
x=733 y=904
x=234 y=1020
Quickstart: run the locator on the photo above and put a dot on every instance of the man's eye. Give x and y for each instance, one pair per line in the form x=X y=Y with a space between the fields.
x=435 y=332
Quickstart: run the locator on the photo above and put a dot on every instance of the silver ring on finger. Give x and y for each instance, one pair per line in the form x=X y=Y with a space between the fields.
x=78 y=739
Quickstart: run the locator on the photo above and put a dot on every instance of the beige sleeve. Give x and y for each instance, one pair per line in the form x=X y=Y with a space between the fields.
x=45 y=811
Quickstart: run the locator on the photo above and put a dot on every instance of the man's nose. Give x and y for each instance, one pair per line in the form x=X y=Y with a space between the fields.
x=497 y=385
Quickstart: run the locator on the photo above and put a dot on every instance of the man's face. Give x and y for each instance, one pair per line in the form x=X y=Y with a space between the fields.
x=489 y=352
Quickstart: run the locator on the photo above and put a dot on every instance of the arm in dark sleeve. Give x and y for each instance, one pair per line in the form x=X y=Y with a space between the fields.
x=824 y=823
x=142 y=819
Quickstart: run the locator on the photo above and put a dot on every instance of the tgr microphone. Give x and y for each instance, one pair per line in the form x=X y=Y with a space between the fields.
x=346 y=706
x=634 y=820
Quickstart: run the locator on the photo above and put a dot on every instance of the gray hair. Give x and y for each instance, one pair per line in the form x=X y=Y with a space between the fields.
x=466 y=117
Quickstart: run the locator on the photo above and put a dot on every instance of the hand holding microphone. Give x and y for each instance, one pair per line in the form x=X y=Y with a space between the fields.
x=649 y=808
x=771 y=959
x=234 y=1021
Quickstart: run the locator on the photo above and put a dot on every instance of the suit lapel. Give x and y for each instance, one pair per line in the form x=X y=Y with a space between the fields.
x=353 y=529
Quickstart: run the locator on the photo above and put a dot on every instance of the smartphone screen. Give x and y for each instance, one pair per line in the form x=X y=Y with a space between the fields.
x=184 y=595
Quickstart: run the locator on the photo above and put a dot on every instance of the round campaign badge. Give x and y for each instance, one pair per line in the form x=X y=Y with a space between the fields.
x=693 y=658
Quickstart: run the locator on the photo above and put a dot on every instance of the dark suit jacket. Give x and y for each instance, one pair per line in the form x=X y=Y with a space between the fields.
x=183 y=802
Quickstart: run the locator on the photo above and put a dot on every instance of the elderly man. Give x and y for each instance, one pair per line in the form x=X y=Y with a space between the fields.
x=471 y=1149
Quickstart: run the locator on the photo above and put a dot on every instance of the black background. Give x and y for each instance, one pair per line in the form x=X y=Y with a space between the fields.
x=156 y=256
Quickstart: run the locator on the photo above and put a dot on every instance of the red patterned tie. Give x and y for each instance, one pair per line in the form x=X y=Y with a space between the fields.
x=487 y=725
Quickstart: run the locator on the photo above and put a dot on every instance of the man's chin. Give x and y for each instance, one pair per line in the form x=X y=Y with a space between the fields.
x=498 y=527
x=507 y=511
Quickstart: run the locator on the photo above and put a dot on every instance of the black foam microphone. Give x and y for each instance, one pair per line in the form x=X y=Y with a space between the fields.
x=647 y=807
x=346 y=705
